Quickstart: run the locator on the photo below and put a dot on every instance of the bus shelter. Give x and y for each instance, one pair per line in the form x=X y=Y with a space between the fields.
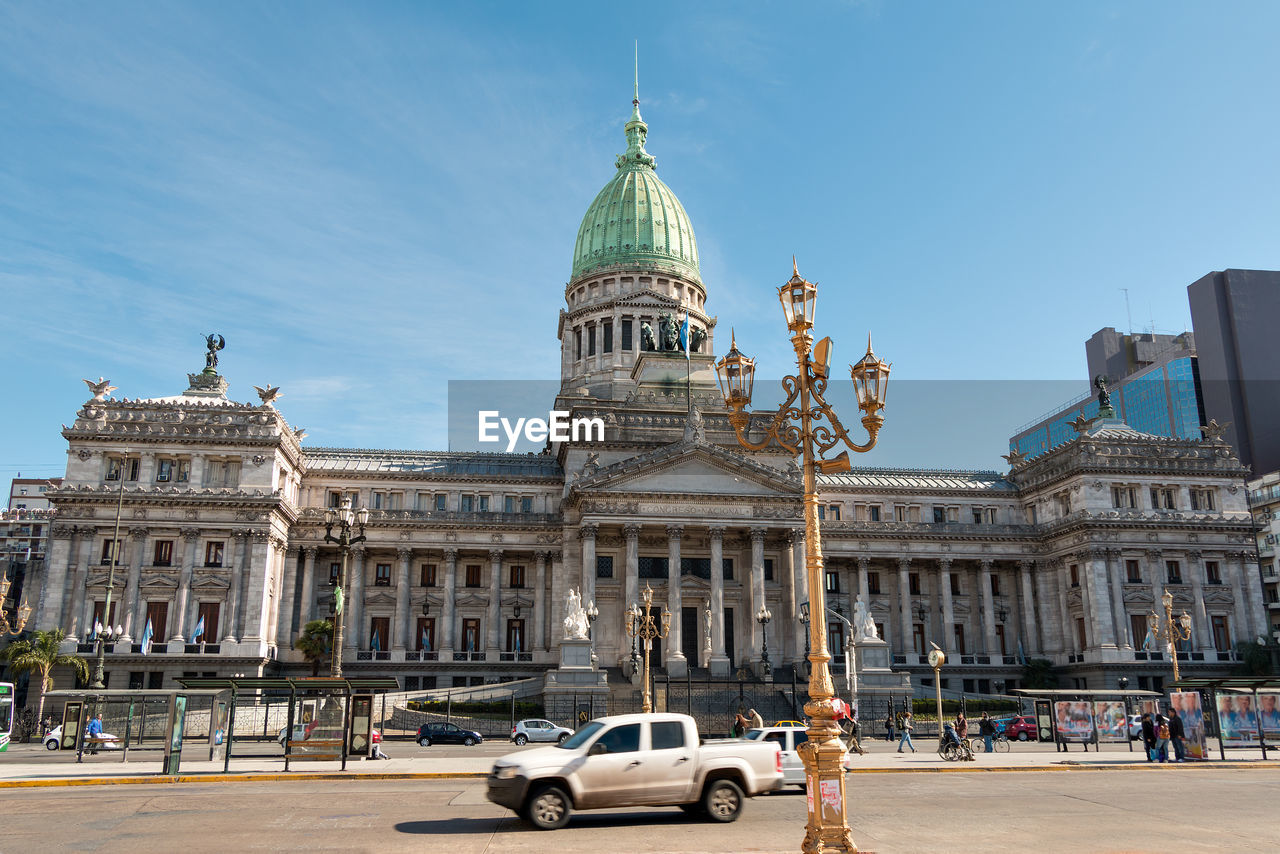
x=1245 y=710
x=327 y=718
x=148 y=720
x=1085 y=716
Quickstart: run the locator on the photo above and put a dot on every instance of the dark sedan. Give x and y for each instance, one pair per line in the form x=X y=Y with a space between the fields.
x=440 y=733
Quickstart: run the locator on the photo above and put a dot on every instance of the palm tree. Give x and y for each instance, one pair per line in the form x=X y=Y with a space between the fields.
x=315 y=642
x=39 y=655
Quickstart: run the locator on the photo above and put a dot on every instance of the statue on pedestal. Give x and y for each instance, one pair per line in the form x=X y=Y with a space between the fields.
x=576 y=624
x=864 y=626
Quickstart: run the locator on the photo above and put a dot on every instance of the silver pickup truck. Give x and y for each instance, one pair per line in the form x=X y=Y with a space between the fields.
x=634 y=761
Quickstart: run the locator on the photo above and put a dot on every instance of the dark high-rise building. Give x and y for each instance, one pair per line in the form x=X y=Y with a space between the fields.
x=1235 y=314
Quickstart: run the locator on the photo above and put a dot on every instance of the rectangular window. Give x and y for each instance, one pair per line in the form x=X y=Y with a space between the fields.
x=626 y=336
x=97 y=614
x=382 y=575
x=939 y=515
x=835 y=636
x=1138 y=630
x=913 y=583
x=379 y=501
x=509 y=504
x=604 y=566
x=873 y=584
x=468 y=503
x=995 y=584
x=441 y=503
x=1080 y=633
x=958 y=634
x=163 y=555
x=917 y=638
x=428 y=575
x=113 y=468
x=768 y=569
x=1212 y=572
x=426 y=639
x=517 y=576
x=164 y=471
x=1132 y=572
x=484 y=504
x=1173 y=571
x=666 y=735
x=108 y=551
x=653 y=567
x=833 y=582
x=136 y=680
x=822 y=513
x=1221 y=635
x=1202 y=499
x=471 y=635
x=833 y=512
x=606 y=341
x=977 y=516
x=577 y=343
x=526 y=504
x=1163 y=498
x=873 y=513
x=900 y=513
x=183 y=471
x=131 y=468
x=209 y=612
x=1075 y=575
x=335 y=499
x=1000 y=639
x=1031 y=515
x=728 y=568
x=158 y=617
x=591 y=340
x=335 y=572
x=213 y=553
x=955 y=584
x=473 y=575
x=1124 y=497
x=221 y=473
x=515 y=636
x=379 y=633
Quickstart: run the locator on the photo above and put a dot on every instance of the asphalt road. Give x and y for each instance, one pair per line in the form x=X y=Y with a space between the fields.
x=1170 y=810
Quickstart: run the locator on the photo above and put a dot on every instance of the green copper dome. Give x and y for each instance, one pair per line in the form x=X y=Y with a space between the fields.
x=636 y=222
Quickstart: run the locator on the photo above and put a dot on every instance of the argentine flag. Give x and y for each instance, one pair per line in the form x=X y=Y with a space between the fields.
x=146 y=638
x=374 y=643
x=684 y=334
x=199 y=632
x=426 y=641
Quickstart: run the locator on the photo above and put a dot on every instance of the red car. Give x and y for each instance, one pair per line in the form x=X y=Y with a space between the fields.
x=1022 y=728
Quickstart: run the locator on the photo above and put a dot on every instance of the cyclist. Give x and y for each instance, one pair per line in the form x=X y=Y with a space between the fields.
x=987 y=729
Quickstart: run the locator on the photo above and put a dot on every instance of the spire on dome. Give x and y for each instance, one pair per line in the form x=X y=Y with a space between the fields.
x=636 y=129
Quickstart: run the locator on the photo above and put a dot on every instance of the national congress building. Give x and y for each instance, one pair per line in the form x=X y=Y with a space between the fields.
x=469 y=556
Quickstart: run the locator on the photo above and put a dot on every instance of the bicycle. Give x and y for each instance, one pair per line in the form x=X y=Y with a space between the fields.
x=999 y=742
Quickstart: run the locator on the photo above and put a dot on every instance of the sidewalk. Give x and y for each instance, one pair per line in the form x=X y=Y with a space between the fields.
x=29 y=765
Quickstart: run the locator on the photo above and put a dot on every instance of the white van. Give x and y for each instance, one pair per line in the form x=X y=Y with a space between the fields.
x=788 y=738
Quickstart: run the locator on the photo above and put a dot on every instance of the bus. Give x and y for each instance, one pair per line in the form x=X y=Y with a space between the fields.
x=6 y=714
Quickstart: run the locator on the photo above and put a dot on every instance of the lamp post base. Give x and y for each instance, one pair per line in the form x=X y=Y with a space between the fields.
x=827 y=829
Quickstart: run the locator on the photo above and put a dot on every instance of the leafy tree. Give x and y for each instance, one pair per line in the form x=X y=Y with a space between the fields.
x=1253 y=660
x=38 y=655
x=315 y=643
x=1039 y=673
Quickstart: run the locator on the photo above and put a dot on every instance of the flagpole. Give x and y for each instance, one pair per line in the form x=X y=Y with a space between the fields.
x=688 y=364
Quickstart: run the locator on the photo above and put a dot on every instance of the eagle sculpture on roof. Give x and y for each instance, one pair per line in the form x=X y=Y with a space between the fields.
x=101 y=388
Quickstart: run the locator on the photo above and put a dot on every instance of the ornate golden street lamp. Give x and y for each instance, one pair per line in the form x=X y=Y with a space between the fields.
x=797 y=429
x=644 y=625
x=344 y=517
x=1170 y=630
x=21 y=614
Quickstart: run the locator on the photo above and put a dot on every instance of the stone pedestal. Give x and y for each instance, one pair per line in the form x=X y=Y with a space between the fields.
x=719 y=665
x=877 y=681
x=576 y=687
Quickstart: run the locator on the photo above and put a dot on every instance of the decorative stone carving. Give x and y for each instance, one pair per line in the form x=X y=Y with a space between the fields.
x=864 y=626
x=576 y=624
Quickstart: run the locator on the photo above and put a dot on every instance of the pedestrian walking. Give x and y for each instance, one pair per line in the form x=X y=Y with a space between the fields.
x=987 y=729
x=739 y=727
x=906 y=727
x=1177 y=735
x=1149 y=736
x=757 y=722
x=855 y=731
x=1162 y=738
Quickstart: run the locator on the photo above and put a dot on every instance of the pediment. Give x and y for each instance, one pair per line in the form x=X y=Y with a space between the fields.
x=687 y=467
x=152 y=581
x=210 y=581
x=379 y=599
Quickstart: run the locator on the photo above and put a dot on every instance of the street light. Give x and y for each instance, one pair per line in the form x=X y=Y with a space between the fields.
x=804 y=618
x=592 y=614
x=937 y=658
x=344 y=517
x=643 y=625
x=100 y=662
x=1170 y=630
x=795 y=429
x=1123 y=682
x=21 y=614
x=763 y=616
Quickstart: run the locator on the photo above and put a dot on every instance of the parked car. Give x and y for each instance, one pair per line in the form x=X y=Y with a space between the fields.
x=444 y=733
x=53 y=740
x=1023 y=728
x=536 y=729
x=642 y=760
x=788 y=739
x=1135 y=727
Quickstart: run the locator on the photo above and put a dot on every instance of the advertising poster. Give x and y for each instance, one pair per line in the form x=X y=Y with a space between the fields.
x=1269 y=714
x=1074 y=721
x=1238 y=720
x=1186 y=705
x=1110 y=718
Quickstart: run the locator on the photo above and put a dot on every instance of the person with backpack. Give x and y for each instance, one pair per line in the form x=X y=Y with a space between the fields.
x=906 y=727
x=1149 y=736
x=1177 y=735
x=987 y=729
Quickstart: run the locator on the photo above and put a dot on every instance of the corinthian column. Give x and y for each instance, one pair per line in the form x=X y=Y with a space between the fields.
x=401 y=634
x=948 y=609
x=676 y=664
x=184 y=606
x=757 y=594
x=904 y=604
x=990 y=642
x=135 y=611
x=307 y=596
x=800 y=580
x=540 y=603
x=631 y=570
x=495 y=600
x=448 y=619
x=588 y=535
x=719 y=662
x=1201 y=637
x=1029 y=606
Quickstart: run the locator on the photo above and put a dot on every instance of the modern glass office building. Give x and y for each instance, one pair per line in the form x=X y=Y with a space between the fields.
x=1162 y=399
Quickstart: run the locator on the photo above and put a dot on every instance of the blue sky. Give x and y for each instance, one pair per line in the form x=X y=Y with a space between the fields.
x=369 y=200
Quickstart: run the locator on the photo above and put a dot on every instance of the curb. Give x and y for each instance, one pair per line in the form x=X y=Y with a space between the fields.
x=235 y=778
x=479 y=775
